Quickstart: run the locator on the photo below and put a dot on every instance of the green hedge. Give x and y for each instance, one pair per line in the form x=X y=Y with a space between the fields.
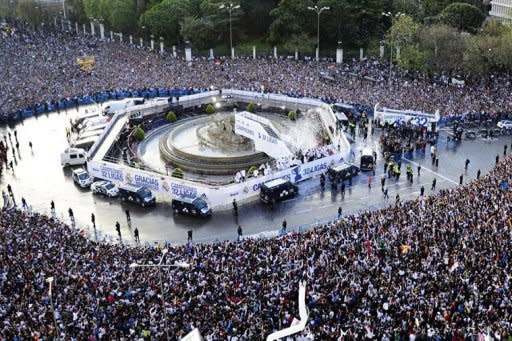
x=171 y=117
x=210 y=109
x=251 y=170
x=177 y=173
x=138 y=133
x=292 y=115
x=252 y=107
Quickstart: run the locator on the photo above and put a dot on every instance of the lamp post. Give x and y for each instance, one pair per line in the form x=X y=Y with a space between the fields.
x=318 y=10
x=393 y=17
x=50 y=282
x=230 y=9
x=159 y=266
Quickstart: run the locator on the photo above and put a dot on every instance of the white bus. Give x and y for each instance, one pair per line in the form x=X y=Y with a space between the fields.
x=416 y=118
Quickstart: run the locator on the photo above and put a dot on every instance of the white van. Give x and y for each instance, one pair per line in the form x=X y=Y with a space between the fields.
x=110 y=107
x=73 y=157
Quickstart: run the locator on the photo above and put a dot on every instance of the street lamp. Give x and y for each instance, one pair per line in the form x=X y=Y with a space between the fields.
x=159 y=266
x=318 y=10
x=393 y=17
x=50 y=282
x=230 y=8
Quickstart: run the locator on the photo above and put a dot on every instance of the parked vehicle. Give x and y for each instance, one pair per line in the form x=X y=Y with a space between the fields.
x=137 y=194
x=277 y=190
x=73 y=157
x=195 y=207
x=81 y=178
x=105 y=188
x=505 y=124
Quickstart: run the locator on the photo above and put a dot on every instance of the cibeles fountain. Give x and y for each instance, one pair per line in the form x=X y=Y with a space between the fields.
x=227 y=142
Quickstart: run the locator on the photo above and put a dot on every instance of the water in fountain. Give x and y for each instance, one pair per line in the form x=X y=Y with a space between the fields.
x=302 y=134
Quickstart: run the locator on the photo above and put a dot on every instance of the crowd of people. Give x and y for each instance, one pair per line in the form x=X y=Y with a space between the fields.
x=436 y=267
x=39 y=66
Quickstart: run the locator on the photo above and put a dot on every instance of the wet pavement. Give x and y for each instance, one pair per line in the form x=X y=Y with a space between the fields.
x=39 y=178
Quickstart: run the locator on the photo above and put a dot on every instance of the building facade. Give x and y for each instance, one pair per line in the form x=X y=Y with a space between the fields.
x=502 y=10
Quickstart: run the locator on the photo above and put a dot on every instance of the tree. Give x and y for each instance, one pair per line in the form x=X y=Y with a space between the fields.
x=76 y=11
x=177 y=173
x=210 y=109
x=219 y=18
x=292 y=115
x=462 y=16
x=302 y=42
x=122 y=15
x=171 y=117
x=98 y=9
x=138 y=133
x=404 y=31
x=198 y=31
x=164 y=19
x=442 y=46
x=29 y=10
x=252 y=107
x=291 y=17
x=413 y=8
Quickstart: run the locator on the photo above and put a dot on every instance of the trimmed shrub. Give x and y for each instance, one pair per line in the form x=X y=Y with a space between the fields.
x=138 y=133
x=177 y=173
x=171 y=117
x=252 y=107
x=292 y=115
x=251 y=170
x=210 y=109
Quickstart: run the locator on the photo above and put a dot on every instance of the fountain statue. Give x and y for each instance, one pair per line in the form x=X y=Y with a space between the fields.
x=220 y=133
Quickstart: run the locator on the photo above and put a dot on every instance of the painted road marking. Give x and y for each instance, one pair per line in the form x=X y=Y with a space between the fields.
x=431 y=171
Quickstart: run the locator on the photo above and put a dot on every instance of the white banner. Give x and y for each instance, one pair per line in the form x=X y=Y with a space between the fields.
x=216 y=196
x=263 y=142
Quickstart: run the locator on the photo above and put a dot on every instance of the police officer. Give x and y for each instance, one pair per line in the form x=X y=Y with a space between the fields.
x=136 y=235
x=284 y=226
x=189 y=235
x=239 y=232
x=422 y=191
x=466 y=164
x=235 y=207
x=478 y=174
x=118 y=229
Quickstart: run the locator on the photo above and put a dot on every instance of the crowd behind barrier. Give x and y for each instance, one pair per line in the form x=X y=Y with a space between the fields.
x=436 y=267
x=40 y=74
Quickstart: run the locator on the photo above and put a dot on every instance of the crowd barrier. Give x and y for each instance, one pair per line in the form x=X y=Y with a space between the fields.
x=100 y=97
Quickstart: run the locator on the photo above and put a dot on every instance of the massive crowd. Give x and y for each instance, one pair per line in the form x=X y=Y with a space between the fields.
x=39 y=66
x=436 y=267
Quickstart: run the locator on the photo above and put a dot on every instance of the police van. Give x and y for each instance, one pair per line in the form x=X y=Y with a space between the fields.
x=195 y=207
x=342 y=172
x=367 y=160
x=277 y=190
x=137 y=194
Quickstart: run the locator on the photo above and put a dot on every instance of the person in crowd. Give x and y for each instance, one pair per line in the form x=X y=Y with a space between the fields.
x=422 y=267
x=239 y=232
x=136 y=235
x=118 y=229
